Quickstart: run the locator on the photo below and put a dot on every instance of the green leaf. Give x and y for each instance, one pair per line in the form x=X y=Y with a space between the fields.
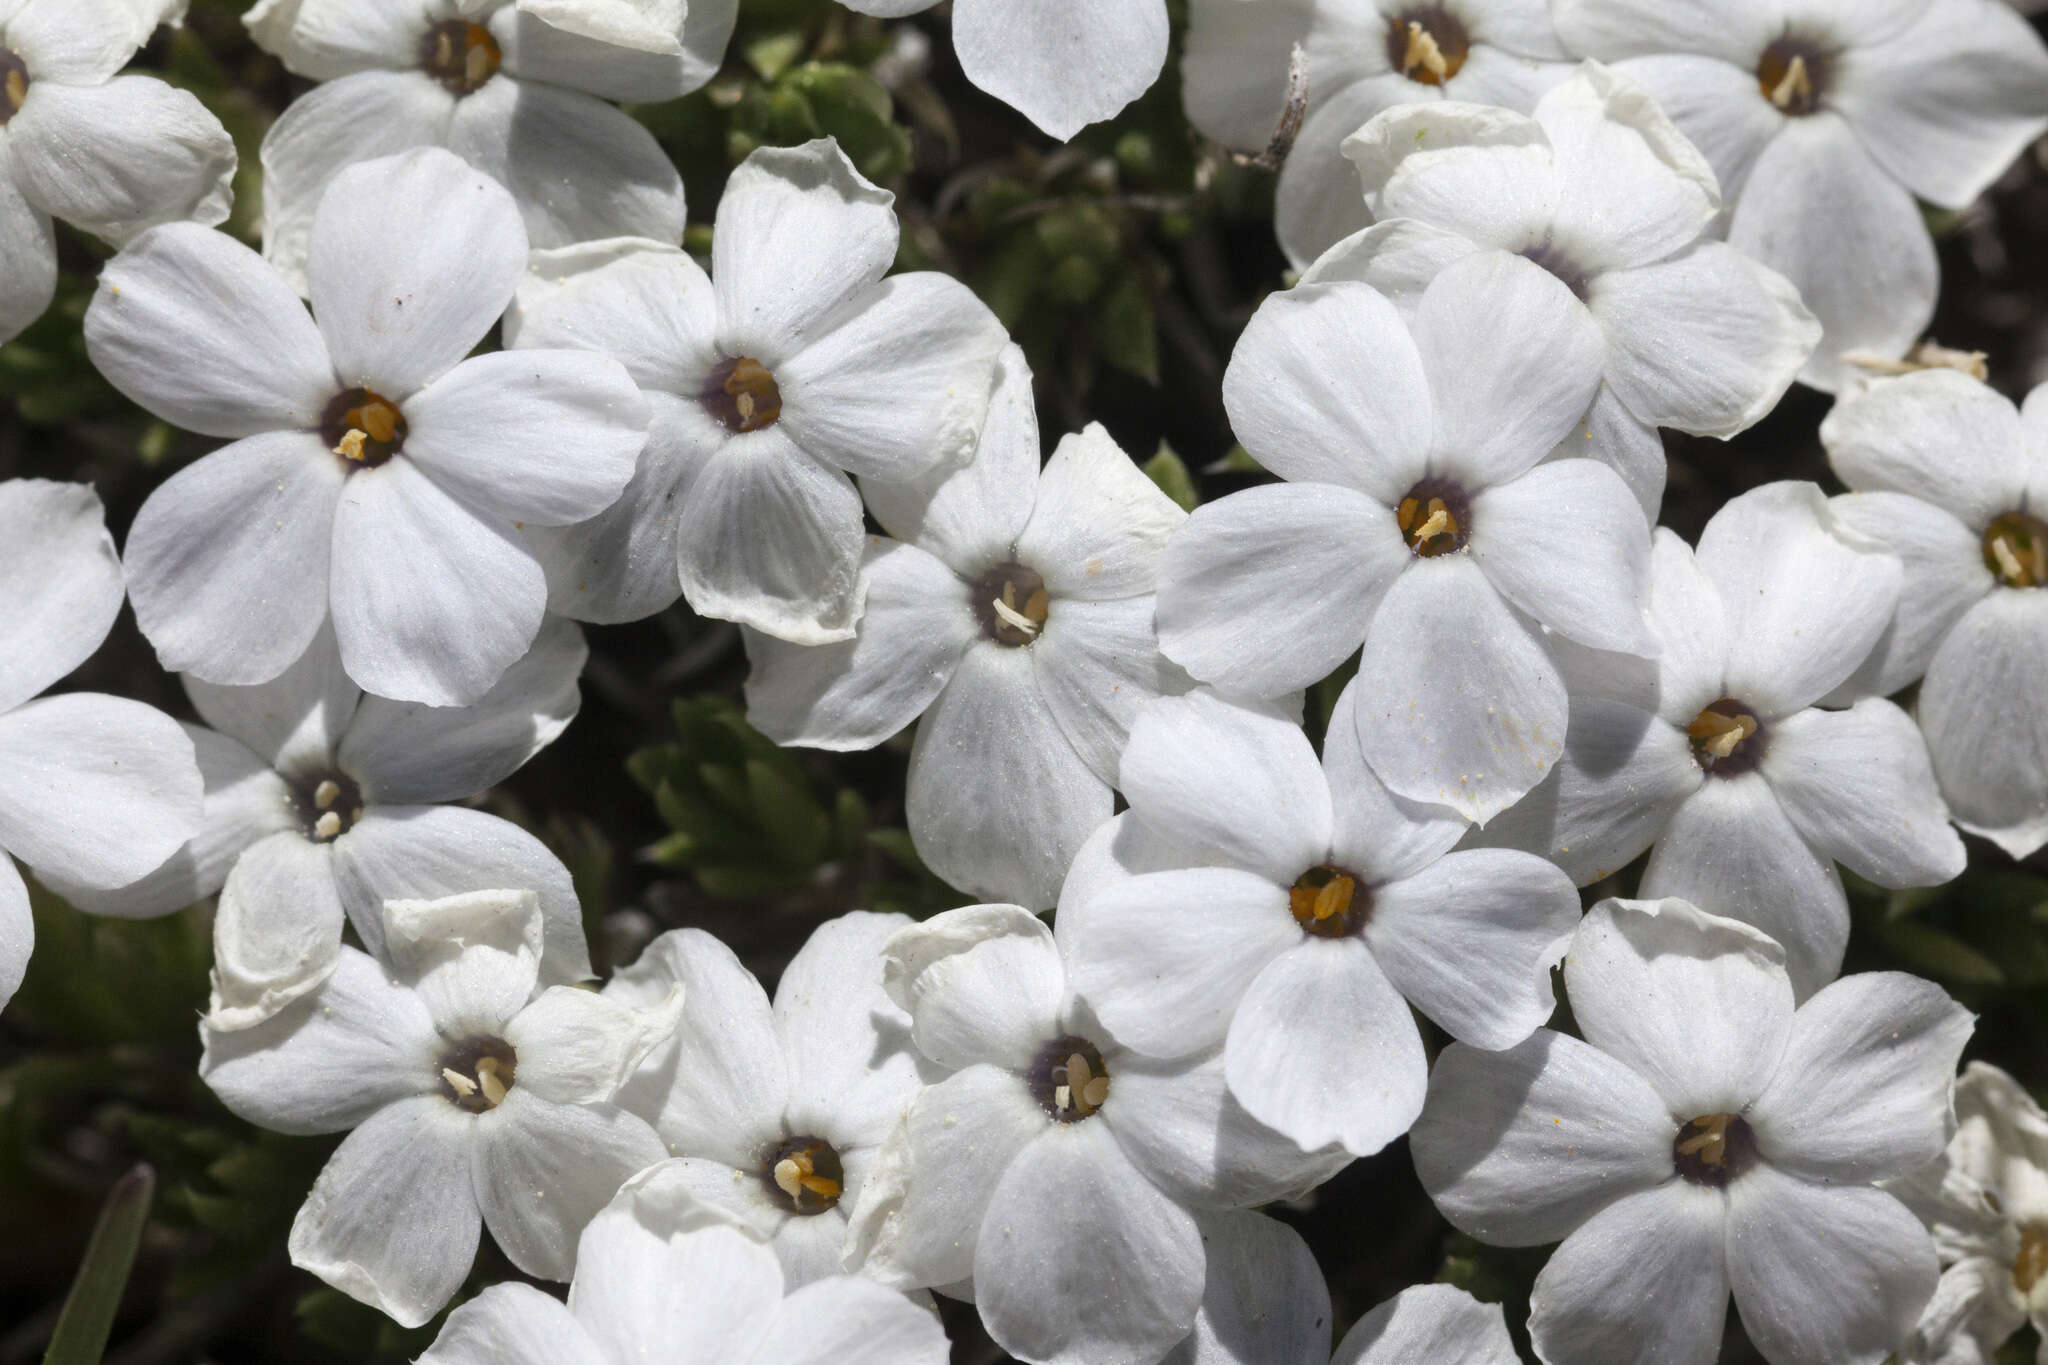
x=1125 y=334
x=1167 y=470
x=1938 y=954
x=788 y=815
x=88 y=1316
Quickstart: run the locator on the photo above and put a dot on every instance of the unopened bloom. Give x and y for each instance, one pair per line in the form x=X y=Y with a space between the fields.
x=1437 y=1323
x=377 y=479
x=1305 y=908
x=108 y=154
x=1948 y=474
x=1422 y=519
x=1986 y=1202
x=1014 y=615
x=1057 y=1171
x=323 y=803
x=477 y=1099
x=1706 y=1139
x=94 y=790
x=1599 y=189
x=497 y=83
x=663 y=1278
x=1362 y=56
x=775 y=1112
x=1825 y=121
x=1717 y=759
x=794 y=365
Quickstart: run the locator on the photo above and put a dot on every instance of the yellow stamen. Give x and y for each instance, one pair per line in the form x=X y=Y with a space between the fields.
x=17 y=90
x=1710 y=1144
x=351 y=447
x=327 y=826
x=1439 y=522
x=1718 y=734
x=326 y=794
x=487 y=1080
x=477 y=64
x=459 y=1083
x=1424 y=52
x=1796 y=87
x=1013 y=618
x=2031 y=1263
x=789 y=1177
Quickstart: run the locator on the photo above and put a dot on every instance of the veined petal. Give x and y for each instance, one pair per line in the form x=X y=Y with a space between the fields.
x=541 y=1171
x=28 y=255
x=1063 y=64
x=578 y=1047
x=1936 y=435
x=844 y=1042
x=73 y=44
x=1987 y=735
x=634 y=25
x=277 y=931
x=1485 y=173
x=1945 y=575
x=1263 y=1297
x=1097 y=663
x=1429 y=1322
x=847 y=1320
x=1566 y=543
x=1714 y=102
x=645 y=303
x=982 y=984
x=536 y=50
x=1643 y=1281
x=1859 y=787
x=293 y=721
x=60 y=583
x=513 y=1324
x=1630 y=189
x=1692 y=627
x=17 y=930
x=1318 y=201
x=1731 y=30
x=114 y=159
x=1098 y=523
x=1398 y=258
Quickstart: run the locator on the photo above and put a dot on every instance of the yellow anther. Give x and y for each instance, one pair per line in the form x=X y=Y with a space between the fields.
x=1720 y=734
x=351 y=447
x=1710 y=1144
x=2008 y=563
x=478 y=64
x=789 y=1177
x=1797 y=86
x=487 y=1080
x=1333 y=899
x=326 y=794
x=328 y=826
x=1439 y=523
x=459 y=1083
x=1424 y=52
x=17 y=90
x=444 y=49
x=2031 y=1263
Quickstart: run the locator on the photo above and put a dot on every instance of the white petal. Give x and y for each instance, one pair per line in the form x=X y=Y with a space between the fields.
x=293 y=721
x=1239 y=783
x=846 y=1320
x=1324 y=1050
x=195 y=327
x=1732 y=30
x=1859 y=787
x=1263 y=1297
x=1631 y=189
x=114 y=159
x=1862 y=1092
x=799 y=230
x=322 y=39
x=645 y=303
x=228 y=561
x=1566 y=543
x=1318 y=201
x=1072 y=1226
x=28 y=255
x=76 y=44
x=1398 y=258
x=432 y=601
x=1326 y=386
x=1270 y=589
x=1692 y=625
x=1513 y=360
x=17 y=931
x=536 y=50
x=472 y=958
x=1376 y=834
x=1731 y=847
x=1643 y=1282
x=1986 y=732
x=1459 y=702
x=542 y=1170
x=513 y=1324
x=1097 y=663
x=1713 y=102
x=1945 y=575
x=1696 y=1004
x=2001 y=1142
x=1806 y=596
x=982 y=984
x=1970 y=1316
x=1486 y=173
x=1869 y=273
x=329 y=1061
x=277 y=932
x=1825 y=1274
x=635 y=25
x=60 y=583
x=544 y=436
x=1938 y=436
x=398 y=307
x=1000 y=800
x=1099 y=523
x=1429 y=1322
x=858 y=692
x=392 y=1220
x=1518 y=1148
x=578 y=1047
x=771 y=538
x=1626 y=444
x=895 y=382
x=1706 y=342
x=844 y=1041
x=405 y=753
x=1234 y=70
x=1471 y=939
x=1063 y=64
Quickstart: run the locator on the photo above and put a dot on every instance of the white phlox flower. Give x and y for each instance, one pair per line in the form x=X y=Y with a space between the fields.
x=1060 y=1174
x=1986 y=1202
x=1421 y=518
x=476 y=1099
x=1291 y=911
x=94 y=790
x=1013 y=612
x=663 y=1278
x=107 y=153
x=1706 y=1139
x=1060 y=64
x=322 y=804
x=1825 y=120
x=377 y=480
x=1362 y=56
x=1717 y=759
x=1599 y=189
x=1437 y=1323
x=775 y=1112
x=792 y=366
x=500 y=85
x=1948 y=474
x=1264 y=1301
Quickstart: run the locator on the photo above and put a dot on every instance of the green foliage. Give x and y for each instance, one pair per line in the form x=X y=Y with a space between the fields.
x=822 y=99
x=88 y=1316
x=1167 y=470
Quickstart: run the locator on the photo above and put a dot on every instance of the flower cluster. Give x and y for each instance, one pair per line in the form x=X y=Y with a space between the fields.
x=1316 y=777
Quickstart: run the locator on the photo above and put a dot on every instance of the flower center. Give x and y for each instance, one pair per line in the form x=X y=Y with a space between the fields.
x=1726 y=738
x=459 y=55
x=1427 y=44
x=742 y=395
x=1435 y=518
x=328 y=805
x=1012 y=604
x=1068 y=1079
x=1559 y=263
x=476 y=1074
x=1713 y=1149
x=13 y=85
x=363 y=427
x=2016 y=550
x=2032 y=1262
x=1791 y=74
x=804 y=1174
x=1329 y=902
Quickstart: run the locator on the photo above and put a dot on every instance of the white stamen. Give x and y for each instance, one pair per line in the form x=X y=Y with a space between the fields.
x=326 y=794
x=1797 y=87
x=1062 y=1097
x=1424 y=52
x=487 y=1079
x=459 y=1083
x=351 y=447
x=327 y=826
x=2008 y=562
x=1013 y=618
x=1439 y=523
